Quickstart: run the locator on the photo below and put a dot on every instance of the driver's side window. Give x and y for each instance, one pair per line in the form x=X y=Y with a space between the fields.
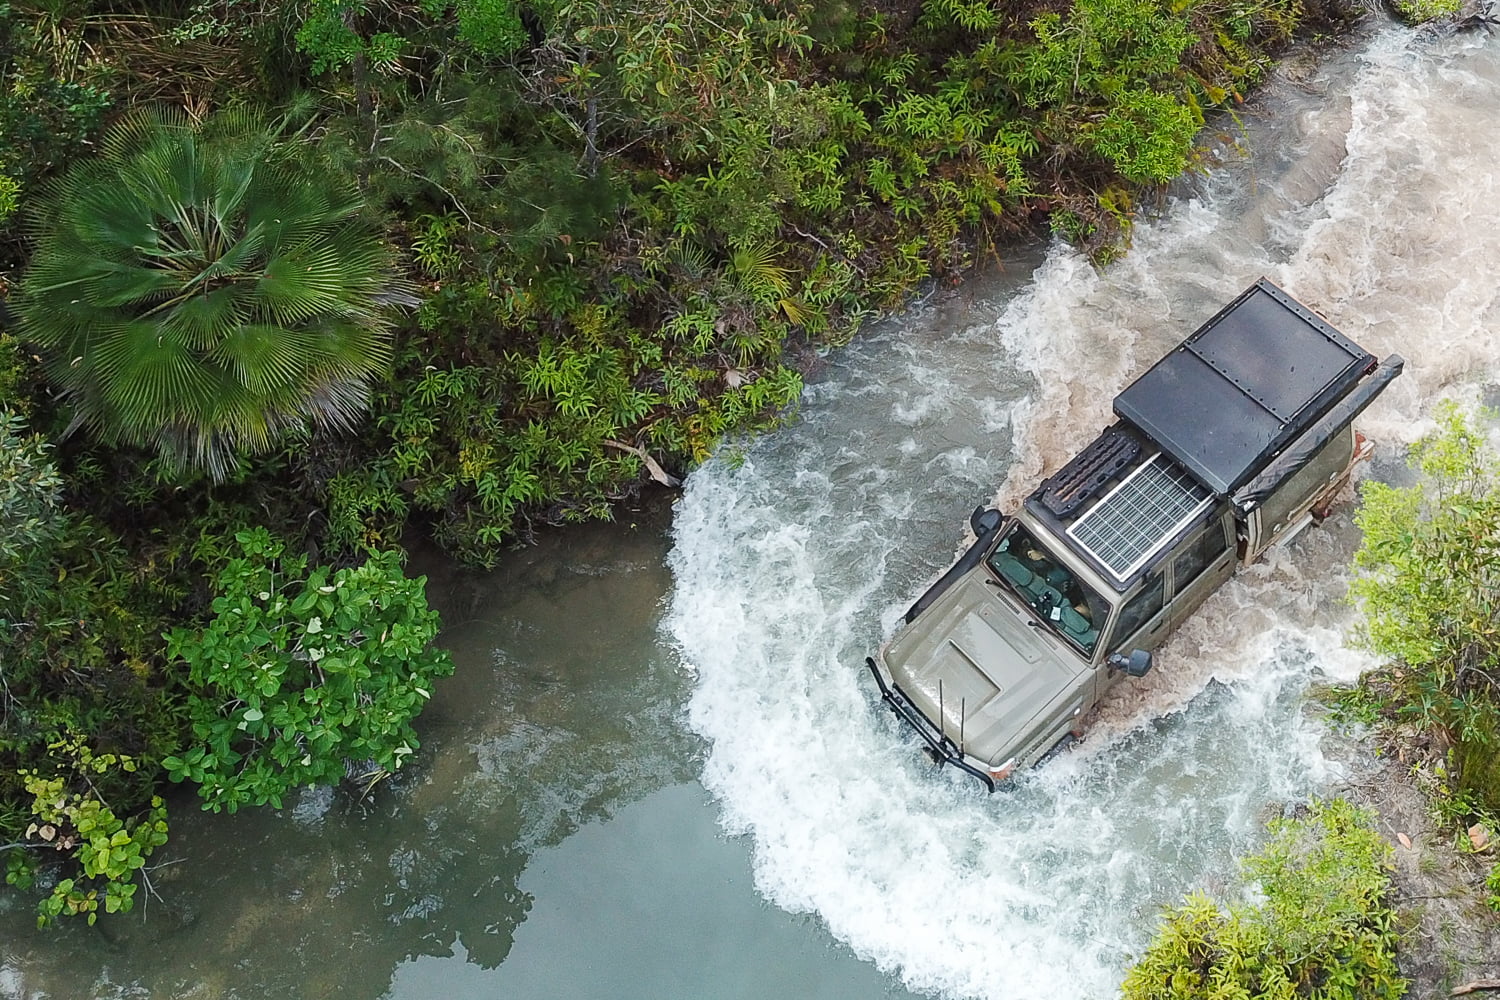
x=1141 y=608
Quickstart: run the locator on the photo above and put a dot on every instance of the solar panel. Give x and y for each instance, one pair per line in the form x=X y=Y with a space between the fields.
x=1139 y=516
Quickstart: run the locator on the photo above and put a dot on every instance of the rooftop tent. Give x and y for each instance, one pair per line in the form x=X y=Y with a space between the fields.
x=1243 y=386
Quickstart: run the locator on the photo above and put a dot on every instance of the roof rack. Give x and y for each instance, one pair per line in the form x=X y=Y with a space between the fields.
x=1080 y=480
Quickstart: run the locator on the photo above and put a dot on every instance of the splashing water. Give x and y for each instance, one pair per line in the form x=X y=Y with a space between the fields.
x=1367 y=193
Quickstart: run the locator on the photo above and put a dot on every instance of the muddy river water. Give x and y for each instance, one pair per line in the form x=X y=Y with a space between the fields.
x=661 y=772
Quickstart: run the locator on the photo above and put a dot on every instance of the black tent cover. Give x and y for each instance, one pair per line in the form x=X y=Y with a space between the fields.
x=1243 y=386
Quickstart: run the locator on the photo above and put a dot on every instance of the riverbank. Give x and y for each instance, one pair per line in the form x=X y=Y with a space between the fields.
x=1449 y=937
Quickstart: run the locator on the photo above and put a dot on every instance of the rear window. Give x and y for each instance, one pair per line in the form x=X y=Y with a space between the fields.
x=1200 y=554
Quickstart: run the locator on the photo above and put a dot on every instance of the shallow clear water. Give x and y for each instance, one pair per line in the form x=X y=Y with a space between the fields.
x=552 y=841
x=665 y=775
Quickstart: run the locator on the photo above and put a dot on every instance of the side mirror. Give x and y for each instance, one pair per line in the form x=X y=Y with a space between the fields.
x=1137 y=664
x=985 y=519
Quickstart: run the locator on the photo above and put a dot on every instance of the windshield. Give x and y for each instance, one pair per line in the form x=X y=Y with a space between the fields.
x=1064 y=602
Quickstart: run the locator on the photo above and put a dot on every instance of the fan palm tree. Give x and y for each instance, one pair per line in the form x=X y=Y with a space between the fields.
x=201 y=293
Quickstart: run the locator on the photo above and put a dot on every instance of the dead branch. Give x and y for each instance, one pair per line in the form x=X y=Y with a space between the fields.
x=657 y=472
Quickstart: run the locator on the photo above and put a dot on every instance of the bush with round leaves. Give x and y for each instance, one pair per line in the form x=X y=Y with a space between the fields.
x=302 y=673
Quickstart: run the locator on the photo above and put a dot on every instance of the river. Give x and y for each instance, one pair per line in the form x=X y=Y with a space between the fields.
x=661 y=772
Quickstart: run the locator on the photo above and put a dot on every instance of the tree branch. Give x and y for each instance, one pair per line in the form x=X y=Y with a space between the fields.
x=657 y=472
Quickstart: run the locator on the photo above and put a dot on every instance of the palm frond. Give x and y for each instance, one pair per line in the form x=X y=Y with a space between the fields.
x=759 y=273
x=199 y=293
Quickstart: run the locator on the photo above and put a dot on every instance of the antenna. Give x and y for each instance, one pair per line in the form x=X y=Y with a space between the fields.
x=942 y=734
x=963 y=716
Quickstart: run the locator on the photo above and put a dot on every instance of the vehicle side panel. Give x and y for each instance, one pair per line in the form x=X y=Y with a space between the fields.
x=1192 y=582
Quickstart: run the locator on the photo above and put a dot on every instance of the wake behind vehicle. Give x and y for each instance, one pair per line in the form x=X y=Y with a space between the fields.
x=1234 y=442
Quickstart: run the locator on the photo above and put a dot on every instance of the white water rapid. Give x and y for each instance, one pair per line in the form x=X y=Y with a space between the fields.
x=1367 y=189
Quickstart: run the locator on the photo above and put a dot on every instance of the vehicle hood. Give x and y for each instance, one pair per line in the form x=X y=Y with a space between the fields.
x=996 y=672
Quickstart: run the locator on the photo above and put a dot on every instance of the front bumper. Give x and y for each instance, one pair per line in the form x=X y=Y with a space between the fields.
x=940 y=747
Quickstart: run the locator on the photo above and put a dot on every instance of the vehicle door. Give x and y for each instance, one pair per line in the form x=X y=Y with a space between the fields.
x=1201 y=566
x=1143 y=622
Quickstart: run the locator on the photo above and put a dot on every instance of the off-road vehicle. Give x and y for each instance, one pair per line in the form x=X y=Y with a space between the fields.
x=1234 y=442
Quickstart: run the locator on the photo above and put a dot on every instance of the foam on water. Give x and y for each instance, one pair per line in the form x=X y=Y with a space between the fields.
x=1367 y=194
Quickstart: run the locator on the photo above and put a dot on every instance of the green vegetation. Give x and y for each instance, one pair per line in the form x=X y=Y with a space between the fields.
x=201 y=294
x=1422 y=11
x=1324 y=927
x=83 y=723
x=299 y=674
x=1429 y=592
x=71 y=818
x=52 y=98
x=618 y=228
